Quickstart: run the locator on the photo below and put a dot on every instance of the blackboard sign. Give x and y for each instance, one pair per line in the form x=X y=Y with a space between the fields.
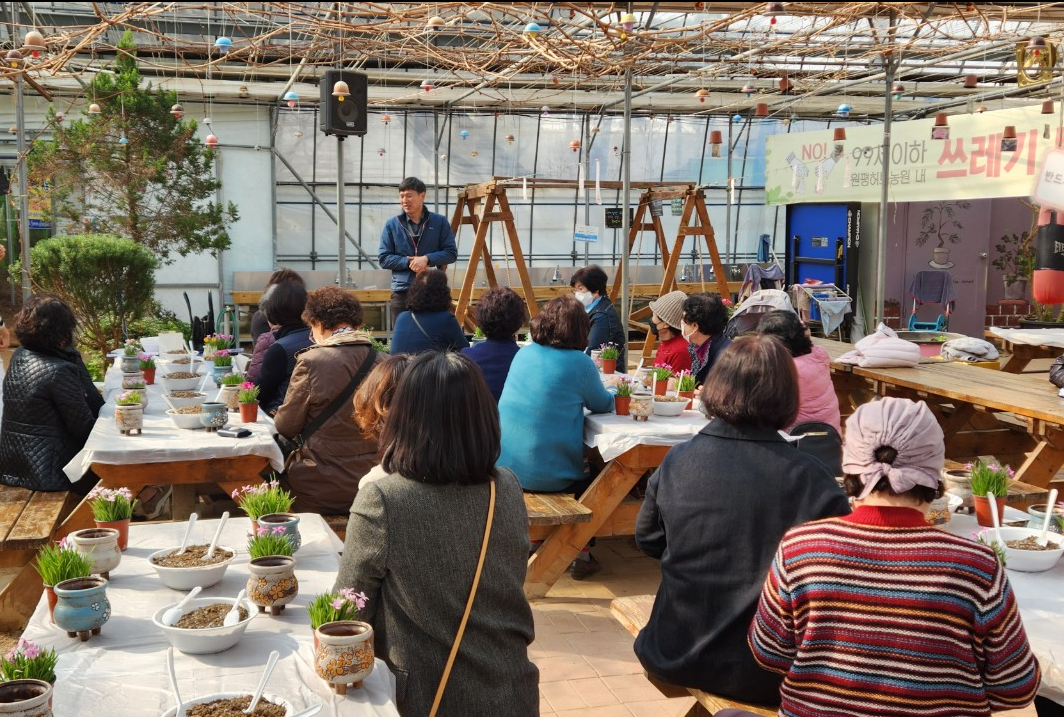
x=656 y=209
x=614 y=218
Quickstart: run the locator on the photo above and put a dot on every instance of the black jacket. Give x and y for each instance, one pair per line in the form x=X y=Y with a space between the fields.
x=606 y=328
x=50 y=406
x=1056 y=372
x=714 y=514
x=716 y=347
x=278 y=363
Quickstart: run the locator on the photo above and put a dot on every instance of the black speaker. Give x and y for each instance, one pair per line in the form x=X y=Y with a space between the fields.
x=348 y=117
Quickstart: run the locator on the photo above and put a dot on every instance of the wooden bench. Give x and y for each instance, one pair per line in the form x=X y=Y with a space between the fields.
x=634 y=613
x=547 y=509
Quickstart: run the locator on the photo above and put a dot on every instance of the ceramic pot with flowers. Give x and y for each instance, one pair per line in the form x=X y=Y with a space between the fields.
x=130 y=364
x=228 y=397
x=100 y=545
x=213 y=415
x=25 y=698
x=343 y=653
x=272 y=583
x=129 y=419
x=249 y=412
x=289 y=522
x=82 y=606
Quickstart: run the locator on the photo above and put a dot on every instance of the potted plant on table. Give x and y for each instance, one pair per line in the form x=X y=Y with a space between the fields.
x=685 y=386
x=147 y=367
x=609 y=353
x=660 y=375
x=264 y=501
x=343 y=645
x=223 y=364
x=230 y=385
x=27 y=661
x=248 y=399
x=113 y=508
x=989 y=478
x=478 y=336
x=623 y=398
x=137 y=384
x=131 y=356
x=57 y=562
x=129 y=412
x=1015 y=258
x=269 y=540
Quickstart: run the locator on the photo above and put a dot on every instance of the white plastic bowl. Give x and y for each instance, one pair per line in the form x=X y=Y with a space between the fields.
x=182 y=384
x=669 y=408
x=188 y=578
x=189 y=421
x=209 y=640
x=1027 y=561
x=288 y=710
x=196 y=400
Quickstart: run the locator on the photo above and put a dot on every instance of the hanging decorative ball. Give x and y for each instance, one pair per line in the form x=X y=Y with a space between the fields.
x=761 y=110
x=94 y=109
x=35 y=43
x=749 y=89
x=575 y=145
x=298 y=134
x=843 y=110
x=702 y=95
x=60 y=116
x=381 y=151
x=176 y=111
x=980 y=109
x=464 y=134
x=123 y=140
x=544 y=110
x=341 y=90
x=532 y=29
x=207 y=121
x=211 y=141
x=243 y=91
x=737 y=118
x=291 y=98
x=427 y=85
x=474 y=153
x=1036 y=45
x=386 y=119
x=897 y=89
x=509 y=139
x=436 y=22
x=223 y=44
x=971 y=82
x=12 y=129
x=14 y=57
x=616 y=150
x=628 y=21
x=772 y=11
x=595 y=130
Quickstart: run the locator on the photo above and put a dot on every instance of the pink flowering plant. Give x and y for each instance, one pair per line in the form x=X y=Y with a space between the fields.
x=132 y=347
x=129 y=398
x=247 y=393
x=222 y=358
x=27 y=661
x=990 y=477
x=109 y=505
x=662 y=372
x=685 y=381
x=146 y=361
x=609 y=351
x=269 y=541
x=263 y=499
x=344 y=604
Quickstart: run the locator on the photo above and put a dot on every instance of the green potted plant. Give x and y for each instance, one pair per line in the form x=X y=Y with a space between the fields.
x=478 y=336
x=147 y=367
x=989 y=478
x=343 y=645
x=1015 y=258
x=57 y=562
x=266 y=541
x=623 y=398
x=685 y=386
x=248 y=398
x=113 y=508
x=609 y=353
x=27 y=661
x=659 y=376
x=230 y=385
x=129 y=412
x=263 y=499
x=131 y=351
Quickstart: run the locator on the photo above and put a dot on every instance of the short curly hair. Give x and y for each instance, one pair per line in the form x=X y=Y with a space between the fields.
x=46 y=323
x=561 y=324
x=500 y=313
x=374 y=395
x=707 y=312
x=331 y=307
x=429 y=292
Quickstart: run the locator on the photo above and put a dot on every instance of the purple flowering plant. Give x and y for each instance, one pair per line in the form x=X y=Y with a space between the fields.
x=263 y=499
x=27 y=661
x=109 y=504
x=344 y=604
x=990 y=477
x=267 y=541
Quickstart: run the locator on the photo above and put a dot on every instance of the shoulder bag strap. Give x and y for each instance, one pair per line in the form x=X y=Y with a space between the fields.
x=343 y=398
x=423 y=332
x=468 y=607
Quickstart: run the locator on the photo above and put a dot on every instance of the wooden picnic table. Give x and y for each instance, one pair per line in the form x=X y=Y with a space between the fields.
x=1021 y=354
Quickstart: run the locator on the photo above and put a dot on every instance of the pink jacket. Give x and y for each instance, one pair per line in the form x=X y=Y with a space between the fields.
x=816 y=393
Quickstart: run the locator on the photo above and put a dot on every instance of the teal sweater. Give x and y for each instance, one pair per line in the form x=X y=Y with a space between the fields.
x=542 y=415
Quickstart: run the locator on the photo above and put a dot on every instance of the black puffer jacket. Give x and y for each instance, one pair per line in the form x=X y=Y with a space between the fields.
x=50 y=406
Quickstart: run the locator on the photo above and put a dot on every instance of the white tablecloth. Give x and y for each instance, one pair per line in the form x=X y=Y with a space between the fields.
x=612 y=435
x=122 y=671
x=1041 y=600
x=162 y=441
x=1034 y=337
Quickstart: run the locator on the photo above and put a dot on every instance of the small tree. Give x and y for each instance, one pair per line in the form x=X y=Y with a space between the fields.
x=107 y=281
x=134 y=170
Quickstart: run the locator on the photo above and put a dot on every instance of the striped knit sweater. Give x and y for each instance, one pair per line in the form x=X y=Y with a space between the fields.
x=879 y=614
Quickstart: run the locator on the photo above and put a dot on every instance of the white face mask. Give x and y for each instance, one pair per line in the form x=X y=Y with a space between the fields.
x=683 y=332
x=584 y=297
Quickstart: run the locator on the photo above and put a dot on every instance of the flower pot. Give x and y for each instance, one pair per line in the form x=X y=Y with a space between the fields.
x=343 y=653
x=273 y=583
x=26 y=698
x=941 y=255
x=129 y=419
x=689 y=395
x=958 y=482
x=82 y=607
x=609 y=365
x=982 y=510
x=1016 y=289
x=249 y=412
x=122 y=526
x=661 y=388
x=49 y=594
x=213 y=415
x=220 y=371
x=100 y=545
x=149 y=375
x=621 y=404
x=130 y=364
x=1038 y=516
x=288 y=521
x=228 y=397
x=641 y=407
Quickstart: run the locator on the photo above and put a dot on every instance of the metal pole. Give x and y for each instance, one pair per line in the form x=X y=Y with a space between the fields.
x=24 y=199
x=727 y=194
x=626 y=191
x=341 y=214
x=881 y=250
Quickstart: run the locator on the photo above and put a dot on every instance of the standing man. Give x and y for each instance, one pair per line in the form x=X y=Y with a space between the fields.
x=414 y=241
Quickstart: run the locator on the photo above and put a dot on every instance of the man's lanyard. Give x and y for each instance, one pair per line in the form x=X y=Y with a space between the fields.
x=415 y=238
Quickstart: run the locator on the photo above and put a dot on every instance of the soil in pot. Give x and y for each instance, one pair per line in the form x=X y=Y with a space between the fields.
x=193 y=557
x=1030 y=543
x=235 y=707
x=181 y=375
x=208 y=616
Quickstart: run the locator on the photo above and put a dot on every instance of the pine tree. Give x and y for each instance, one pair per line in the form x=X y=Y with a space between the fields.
x=134 y=170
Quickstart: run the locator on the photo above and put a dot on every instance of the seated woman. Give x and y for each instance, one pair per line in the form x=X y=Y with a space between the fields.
x=665 y=324
x=373 y=400
x=262 y=331
x=703 y=322
x=817 y=400
x=427 y=324
x=50 y=402
x=285 y=310
x=589 y=288
x=879 y=612
x=500 y=313
x=414 y=540
x=714 y=513
x=324 y=478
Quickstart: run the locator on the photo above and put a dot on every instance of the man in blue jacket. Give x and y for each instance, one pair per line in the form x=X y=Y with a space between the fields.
x=414 y=241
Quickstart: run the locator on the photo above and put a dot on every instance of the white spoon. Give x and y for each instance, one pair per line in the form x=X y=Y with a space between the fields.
x=169 y=402
x=188 y=534
x=217 y=533
x=270 y=663
x=173 y=682
x=171 y=616
x=994 y=517
x=308 y=711
x=1042 y=539
x=233 y=616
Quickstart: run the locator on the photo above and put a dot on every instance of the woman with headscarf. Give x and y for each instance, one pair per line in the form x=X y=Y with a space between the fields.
x=880 y=613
